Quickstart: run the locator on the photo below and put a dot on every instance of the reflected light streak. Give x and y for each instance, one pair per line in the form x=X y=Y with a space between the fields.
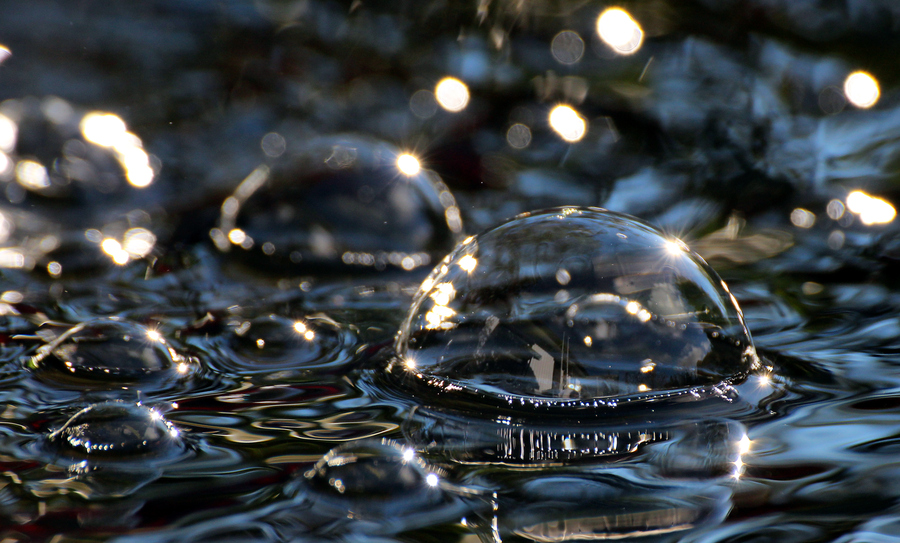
x=566 y=122
x=861 y=89
x=408 y=164
x=5 y=53
x=620 y=31
x=109 y=131
x=452 y=94
x=871 y=210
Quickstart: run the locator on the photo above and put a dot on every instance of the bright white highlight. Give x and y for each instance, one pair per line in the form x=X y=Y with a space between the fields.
x=408 y=164
x=861 y=90
x=566 y=122
x=452 y=94
x=620 y=31
x=871 y=210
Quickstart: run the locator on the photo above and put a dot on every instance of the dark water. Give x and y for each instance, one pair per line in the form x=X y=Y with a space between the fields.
x=212 y=232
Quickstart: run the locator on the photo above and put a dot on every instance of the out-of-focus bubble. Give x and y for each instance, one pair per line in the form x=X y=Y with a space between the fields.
x=567 y=47
x=108 y=130
x=343 y=202
x=871 y=210
x=273 y=144
x=861 y=89
x=423 y=104
x=72 y=172
x=452 y=94
x=508 y=331
x=518 y=136
x=109 y=354
x=620 y=31
x=568 y=123
x=803 y=218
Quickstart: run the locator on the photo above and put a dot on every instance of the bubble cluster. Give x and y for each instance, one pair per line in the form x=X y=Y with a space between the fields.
x=573 y=307
x=348 y=203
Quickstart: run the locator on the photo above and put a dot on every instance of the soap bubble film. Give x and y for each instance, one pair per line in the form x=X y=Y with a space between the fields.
x=216 y=218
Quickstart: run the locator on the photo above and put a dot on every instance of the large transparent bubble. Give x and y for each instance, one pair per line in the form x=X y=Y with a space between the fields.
x=573 y=307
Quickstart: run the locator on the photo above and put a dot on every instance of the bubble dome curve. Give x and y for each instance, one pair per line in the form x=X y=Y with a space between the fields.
x=569 y=308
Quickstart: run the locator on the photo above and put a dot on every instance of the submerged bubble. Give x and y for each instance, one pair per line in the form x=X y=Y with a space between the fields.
x=117 y=430
x=109 y=353
x=573 y=307
x=341 y=202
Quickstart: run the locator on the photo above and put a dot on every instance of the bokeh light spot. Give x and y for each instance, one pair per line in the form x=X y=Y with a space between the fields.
x=568 y=123
x=861 y=89
x=452 y=94
x=620 y=31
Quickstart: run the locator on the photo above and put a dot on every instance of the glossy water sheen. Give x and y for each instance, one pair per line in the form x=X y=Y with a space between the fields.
x=213 y=232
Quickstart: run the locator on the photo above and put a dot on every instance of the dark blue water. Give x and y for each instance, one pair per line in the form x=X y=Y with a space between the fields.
x=240 y=299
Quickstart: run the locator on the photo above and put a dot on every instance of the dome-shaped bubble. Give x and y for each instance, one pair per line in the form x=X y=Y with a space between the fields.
x=109 y=353
x=339 y=202
x=116 y=430
x=573 y=307
x=375 y=475
x=278 y=343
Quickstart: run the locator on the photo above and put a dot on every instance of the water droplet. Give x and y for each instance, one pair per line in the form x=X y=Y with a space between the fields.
x=342 y=202
x=109 y=354
x=117 y=431
x=501 y=333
